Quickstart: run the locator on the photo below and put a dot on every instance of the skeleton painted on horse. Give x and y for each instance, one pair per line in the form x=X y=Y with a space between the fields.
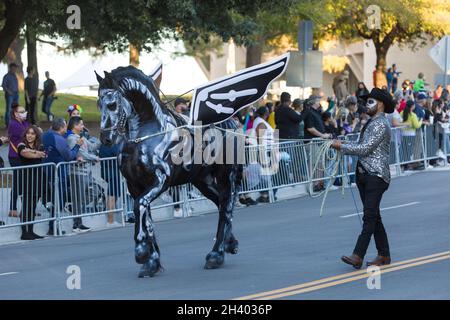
x=133 y=115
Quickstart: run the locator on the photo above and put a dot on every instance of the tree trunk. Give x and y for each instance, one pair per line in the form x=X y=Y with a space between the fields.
x=31 y=50
x=14 y=54
x=134 y=55
x=253 y=54
x=380 y=75
x=14 y=15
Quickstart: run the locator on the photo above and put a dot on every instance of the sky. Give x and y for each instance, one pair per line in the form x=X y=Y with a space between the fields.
x=180 y=74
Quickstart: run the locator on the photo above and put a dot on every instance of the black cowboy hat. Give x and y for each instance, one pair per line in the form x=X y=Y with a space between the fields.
x=383 y=96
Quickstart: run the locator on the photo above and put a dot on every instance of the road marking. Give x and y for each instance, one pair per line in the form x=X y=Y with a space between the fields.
x=384 y=209
x=7 y=273
x=343 y=278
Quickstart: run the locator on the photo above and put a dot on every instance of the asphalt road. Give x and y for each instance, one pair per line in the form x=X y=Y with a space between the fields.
x=284 y=246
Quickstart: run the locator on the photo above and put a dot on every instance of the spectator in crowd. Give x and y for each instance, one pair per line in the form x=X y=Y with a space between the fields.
x=75 y=110
x=110 y=173
x=49 y=95
x=181 y=106
x=248 y=122
x=407 y=90
x=10 y=86
x=352 y=120
x=262 y=135
x=330 y=124
x=58 y=151
x=3 y=140
x=297 y=105
x=314 y=126
x=428 y=118
x=445 y=97
x=412 y=123
x=271 y=119
x=419 y=109
x=31 y=153
x=440 y=119
x=389 y=78
x=395 y=76
x=400 y=99
x=361 y=91
x=79 y=175
x=419 y=84
x=286 y=119
x=16 y=130
x=31 y=92
x=394 y=118
x=438 y=92
x=340 y=86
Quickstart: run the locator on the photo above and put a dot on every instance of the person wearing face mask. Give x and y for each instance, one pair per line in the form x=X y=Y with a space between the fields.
x=372 y=176
x=16 y=129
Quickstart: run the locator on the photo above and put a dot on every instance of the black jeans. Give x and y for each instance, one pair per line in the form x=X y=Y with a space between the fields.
x=371 y=189
x=31 y=109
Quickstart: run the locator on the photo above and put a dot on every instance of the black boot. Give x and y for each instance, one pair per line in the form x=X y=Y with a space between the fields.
x=32 y=234
x=25 y=234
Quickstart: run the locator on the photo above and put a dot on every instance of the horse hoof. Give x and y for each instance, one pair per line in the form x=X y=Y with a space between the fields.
x=214 y=260
x=232 y=246
x=142 y=253
x=149 y=269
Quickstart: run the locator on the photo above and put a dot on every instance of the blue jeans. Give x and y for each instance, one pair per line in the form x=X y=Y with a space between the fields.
x=10 y=99
x=46 y=106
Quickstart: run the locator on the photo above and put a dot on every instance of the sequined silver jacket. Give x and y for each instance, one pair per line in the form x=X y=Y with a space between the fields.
x=373 y=147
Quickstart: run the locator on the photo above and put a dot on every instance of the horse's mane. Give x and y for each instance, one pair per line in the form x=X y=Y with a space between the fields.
x=112 y=79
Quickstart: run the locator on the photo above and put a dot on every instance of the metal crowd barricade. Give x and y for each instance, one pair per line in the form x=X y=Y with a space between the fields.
x=86 y=188
x=25 y=190
x=76 y=190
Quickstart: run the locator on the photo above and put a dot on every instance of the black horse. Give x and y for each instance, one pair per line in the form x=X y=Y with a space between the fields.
x=133 y=115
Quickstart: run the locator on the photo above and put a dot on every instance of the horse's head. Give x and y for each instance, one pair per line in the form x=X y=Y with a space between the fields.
x=115 y=109
x=124 y=94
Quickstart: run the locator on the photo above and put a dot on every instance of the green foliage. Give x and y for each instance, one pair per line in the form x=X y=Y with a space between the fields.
x=402 y=21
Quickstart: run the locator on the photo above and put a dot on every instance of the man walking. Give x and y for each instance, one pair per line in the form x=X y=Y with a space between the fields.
x=49 y=95
x=11 y=88
x=372 y=176
x=31 y=91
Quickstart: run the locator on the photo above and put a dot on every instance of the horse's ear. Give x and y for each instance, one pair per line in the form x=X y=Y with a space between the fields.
x=156 y=74
x=99 y=79
x=218 y=100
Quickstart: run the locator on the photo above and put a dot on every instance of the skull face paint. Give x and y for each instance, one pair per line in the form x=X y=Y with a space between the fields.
x=371 y=106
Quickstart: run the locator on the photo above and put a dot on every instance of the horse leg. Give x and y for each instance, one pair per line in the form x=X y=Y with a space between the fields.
x=146 y=250
x=211 y=191
x=225 y=241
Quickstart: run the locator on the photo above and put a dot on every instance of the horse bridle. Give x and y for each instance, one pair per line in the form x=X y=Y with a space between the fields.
x=120 y=126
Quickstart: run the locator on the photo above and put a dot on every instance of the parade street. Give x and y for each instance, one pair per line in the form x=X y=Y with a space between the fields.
x=286 y=251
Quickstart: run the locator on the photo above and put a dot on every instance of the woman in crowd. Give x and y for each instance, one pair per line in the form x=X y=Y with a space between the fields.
x=361 y=91
x=31 y=153
x=16 y=130
x=412 y=123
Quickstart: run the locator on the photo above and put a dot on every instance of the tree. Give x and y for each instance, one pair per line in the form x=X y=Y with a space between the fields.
x=11 y=19
x=260 y=24
x=403 y=22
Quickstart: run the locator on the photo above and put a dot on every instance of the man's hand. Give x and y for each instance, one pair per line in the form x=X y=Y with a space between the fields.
x=4 y=139
x=336 y=144
x=326 y=136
